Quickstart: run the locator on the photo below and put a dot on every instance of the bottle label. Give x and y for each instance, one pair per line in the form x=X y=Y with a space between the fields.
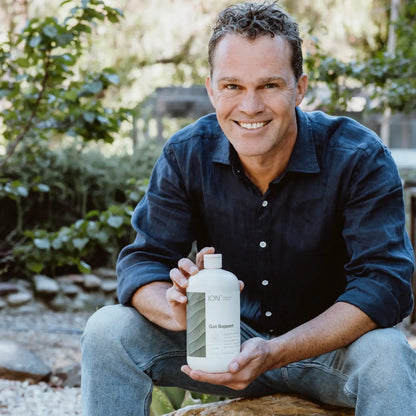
x=213 y=324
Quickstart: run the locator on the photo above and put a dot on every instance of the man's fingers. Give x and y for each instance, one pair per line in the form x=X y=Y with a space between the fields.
x=174 y=295
x=187 y=267
x=200 y=256
x=178 y=279
x=224 y=379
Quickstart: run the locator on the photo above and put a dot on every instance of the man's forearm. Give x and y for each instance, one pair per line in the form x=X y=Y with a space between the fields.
x=335 y=328
x=150 y=300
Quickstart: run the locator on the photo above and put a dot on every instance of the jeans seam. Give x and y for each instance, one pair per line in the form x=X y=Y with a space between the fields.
x=328 y=370
x=152 y=361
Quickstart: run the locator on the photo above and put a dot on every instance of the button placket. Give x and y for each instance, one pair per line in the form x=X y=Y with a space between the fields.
x=264 y=259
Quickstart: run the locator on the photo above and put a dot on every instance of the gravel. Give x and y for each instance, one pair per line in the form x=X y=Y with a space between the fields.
x=23 y=399
x=54 y=337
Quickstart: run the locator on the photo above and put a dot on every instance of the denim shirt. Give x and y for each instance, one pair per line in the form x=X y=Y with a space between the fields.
x=330 y=228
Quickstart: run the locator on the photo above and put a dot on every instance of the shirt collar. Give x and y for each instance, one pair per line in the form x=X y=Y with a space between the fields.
x=303 y=158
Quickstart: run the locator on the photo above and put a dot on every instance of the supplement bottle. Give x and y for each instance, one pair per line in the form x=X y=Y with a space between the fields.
x=212 y=317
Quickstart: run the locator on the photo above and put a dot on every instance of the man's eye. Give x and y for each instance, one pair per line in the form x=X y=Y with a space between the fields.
x=231 y=86
x=271 y=85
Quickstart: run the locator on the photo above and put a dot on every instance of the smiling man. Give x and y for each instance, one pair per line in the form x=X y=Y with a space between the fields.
x=306 y=209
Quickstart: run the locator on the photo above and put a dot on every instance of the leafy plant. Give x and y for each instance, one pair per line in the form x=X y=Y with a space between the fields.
x=386 y=80
x=168 y=399
x=43 y=88
x=44 y=251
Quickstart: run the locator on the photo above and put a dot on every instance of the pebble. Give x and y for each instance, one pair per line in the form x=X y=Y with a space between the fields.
x=7 y=288
x=18 y=299
x=109 y=286
x=91 y=282
x=106 y=273
x=69 y=289
x=45 y=286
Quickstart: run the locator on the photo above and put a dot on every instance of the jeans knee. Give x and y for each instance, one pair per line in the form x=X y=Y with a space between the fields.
x=384 y=354
x=107 y=327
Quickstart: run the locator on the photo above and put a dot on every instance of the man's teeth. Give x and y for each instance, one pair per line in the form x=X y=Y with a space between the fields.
x=252 y=126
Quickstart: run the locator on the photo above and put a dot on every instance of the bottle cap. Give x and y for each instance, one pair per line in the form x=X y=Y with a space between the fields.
x=212 y=261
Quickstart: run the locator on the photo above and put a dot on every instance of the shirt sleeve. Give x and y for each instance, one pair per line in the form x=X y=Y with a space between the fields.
x=380 y=257
x=162 y=221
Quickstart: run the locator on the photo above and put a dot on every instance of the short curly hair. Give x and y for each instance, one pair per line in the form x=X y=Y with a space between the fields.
x=253 y=20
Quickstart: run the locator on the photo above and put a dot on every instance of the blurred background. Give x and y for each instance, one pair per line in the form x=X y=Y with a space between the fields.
x=90 y=91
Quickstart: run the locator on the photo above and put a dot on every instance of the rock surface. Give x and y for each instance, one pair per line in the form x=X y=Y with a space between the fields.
x=275 y=405
x=45 y=286
x=18 y=363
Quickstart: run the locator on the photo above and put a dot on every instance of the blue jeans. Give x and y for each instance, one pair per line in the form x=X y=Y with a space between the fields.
x=124 y=355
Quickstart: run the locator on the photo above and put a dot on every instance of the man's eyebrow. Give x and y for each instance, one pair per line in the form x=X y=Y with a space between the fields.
x=228 y=79
x=260 y=81
x=271 y=79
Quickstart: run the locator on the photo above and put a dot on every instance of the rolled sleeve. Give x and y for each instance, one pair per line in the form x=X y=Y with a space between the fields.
x=381 y=260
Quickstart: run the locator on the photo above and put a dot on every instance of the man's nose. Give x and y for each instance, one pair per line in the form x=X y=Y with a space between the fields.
x=251 y=102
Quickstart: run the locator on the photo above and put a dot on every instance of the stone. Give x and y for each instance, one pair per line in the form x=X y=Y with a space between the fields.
x=18 y=363
x=45 y=286
x=92 y=282
x=59 y=304
x=68 y=376
x=69 y=289
x=31 y=308
x=105 y=273
x=109 y=286
x=77 y=279
x=7 y=288
x=274 y=405
x=18 y=299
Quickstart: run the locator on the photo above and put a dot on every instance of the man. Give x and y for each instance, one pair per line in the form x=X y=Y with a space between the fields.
x=307 y=211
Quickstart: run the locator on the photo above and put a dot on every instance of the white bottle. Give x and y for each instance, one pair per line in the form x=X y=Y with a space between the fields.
x=213 y=317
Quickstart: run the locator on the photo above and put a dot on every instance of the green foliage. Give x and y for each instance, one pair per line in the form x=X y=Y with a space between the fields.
x=43 y=87
x=386 y=80
x=44 y=251
x=60 y=204
x=168 y=399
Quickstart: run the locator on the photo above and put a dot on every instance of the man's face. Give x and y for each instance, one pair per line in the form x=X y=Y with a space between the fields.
x=254 y=92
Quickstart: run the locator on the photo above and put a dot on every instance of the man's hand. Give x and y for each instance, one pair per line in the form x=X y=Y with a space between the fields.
x=254 y=359
x=338 y=326
x=176 y=295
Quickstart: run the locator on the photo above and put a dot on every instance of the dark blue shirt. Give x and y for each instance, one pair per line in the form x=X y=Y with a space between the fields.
x=330 y=228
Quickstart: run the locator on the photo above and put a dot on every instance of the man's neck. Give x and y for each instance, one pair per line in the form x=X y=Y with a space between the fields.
x=262 y=170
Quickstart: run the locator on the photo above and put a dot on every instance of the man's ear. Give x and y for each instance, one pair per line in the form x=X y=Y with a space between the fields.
x=208 y=86
x=301 y=88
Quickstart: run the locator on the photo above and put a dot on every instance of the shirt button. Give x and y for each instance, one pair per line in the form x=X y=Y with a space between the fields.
x=263 y=244
x=268 y=314
x=265 y=282
x=265 y=203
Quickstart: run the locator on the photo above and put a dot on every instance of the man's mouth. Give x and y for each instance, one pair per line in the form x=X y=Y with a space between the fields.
x=252 y=126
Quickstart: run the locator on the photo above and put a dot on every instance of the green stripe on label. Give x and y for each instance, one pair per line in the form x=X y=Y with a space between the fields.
x=195 y=325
